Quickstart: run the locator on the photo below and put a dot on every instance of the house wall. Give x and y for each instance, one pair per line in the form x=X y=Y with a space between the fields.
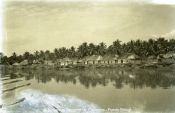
x=125 y=61
x=120 y=61
x=101 y=62
x=90 y=62
x=113 y=62
x=95 y=61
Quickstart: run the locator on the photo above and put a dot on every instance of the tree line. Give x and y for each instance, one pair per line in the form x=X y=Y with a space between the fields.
x=142 y=48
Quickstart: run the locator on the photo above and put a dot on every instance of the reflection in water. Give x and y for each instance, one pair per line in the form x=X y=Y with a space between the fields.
x=38 y=102
x=136 y=78
x=147 y=90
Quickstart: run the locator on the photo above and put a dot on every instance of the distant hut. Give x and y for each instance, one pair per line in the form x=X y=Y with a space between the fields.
x=115 y=59
x=94 y=59
x=110 y=59
x=100 y=60
x=74 y=61
x=49 y=63
x=152 y=59
x=24 y=63
x=168 y=58
x=120 y=61
x=80 y=61
x=16 y=64
x=170 y=54
x=36 y=62
x=133 y=58
x=91 y=59
x=66 y=61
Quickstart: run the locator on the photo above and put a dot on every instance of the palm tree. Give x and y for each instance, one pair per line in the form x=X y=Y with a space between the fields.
x=91 y=49
x=71 y=52
x=102 y=49
x=56 y=53
x=47 y=55
x=26 y=55
x=36 y=54
x=63 y=52
x=171 y=45
x=83 y=50
x=117 y=47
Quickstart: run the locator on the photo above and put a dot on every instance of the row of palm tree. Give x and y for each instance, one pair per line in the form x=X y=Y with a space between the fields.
x=142 y=48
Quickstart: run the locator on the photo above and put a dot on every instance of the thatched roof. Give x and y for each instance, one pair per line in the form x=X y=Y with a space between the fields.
x=25 y=62
x=66 y=59
x=130 y=56
x=170 y=54
x=16 y=64
x=133 y=57
x=93 y=57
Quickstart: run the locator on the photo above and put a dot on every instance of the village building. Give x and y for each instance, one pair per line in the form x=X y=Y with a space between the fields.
x=168 y=58
x=36 y=62
x=16 y=64
x=24 y=63
x=152 y=59
x=80 y=62
x=129 y=58
x=74 y=61
x=65 y=61
x=94 y=59
x=169 y=55
x=49 y=62
x=57 y=62
x=134 y=59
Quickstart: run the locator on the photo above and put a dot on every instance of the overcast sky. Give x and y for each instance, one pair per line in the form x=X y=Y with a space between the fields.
x=31 y=26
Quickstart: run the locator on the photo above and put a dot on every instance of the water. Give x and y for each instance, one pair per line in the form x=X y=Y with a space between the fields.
x=88 y=90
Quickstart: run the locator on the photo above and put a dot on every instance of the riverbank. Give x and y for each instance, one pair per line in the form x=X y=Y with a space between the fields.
x=83 y=66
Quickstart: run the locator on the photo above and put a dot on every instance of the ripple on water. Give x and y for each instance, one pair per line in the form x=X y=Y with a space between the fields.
x=38 y=102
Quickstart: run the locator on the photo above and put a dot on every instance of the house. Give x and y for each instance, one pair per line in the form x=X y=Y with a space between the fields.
x=66 y=61
x=36 y=62
x=16 y=64
x=129 y=58
x=133 y=58
x=74 y=61
x=80 y=61
x=106 y=59
x=168 y=58
x=100 y=60
x=122 y=61
x=111 y=59
x=24 y=63
x=169 y=55
x=94 y=59
x=49 y=63
x=152 y=59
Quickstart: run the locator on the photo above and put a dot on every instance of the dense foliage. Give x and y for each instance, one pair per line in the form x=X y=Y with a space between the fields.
x=142 y=48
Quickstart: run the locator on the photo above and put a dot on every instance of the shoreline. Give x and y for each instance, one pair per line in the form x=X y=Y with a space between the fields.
x=93 y=66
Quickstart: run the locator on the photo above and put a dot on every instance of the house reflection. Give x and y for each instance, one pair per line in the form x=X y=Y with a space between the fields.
x=135 y=78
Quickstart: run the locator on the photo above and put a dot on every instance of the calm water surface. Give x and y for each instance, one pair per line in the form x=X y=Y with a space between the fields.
x=127 y=90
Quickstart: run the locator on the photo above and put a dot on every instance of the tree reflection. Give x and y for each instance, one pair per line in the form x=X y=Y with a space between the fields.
x=135 y=78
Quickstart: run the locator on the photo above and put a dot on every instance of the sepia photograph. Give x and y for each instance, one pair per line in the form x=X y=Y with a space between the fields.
x=87 y=56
